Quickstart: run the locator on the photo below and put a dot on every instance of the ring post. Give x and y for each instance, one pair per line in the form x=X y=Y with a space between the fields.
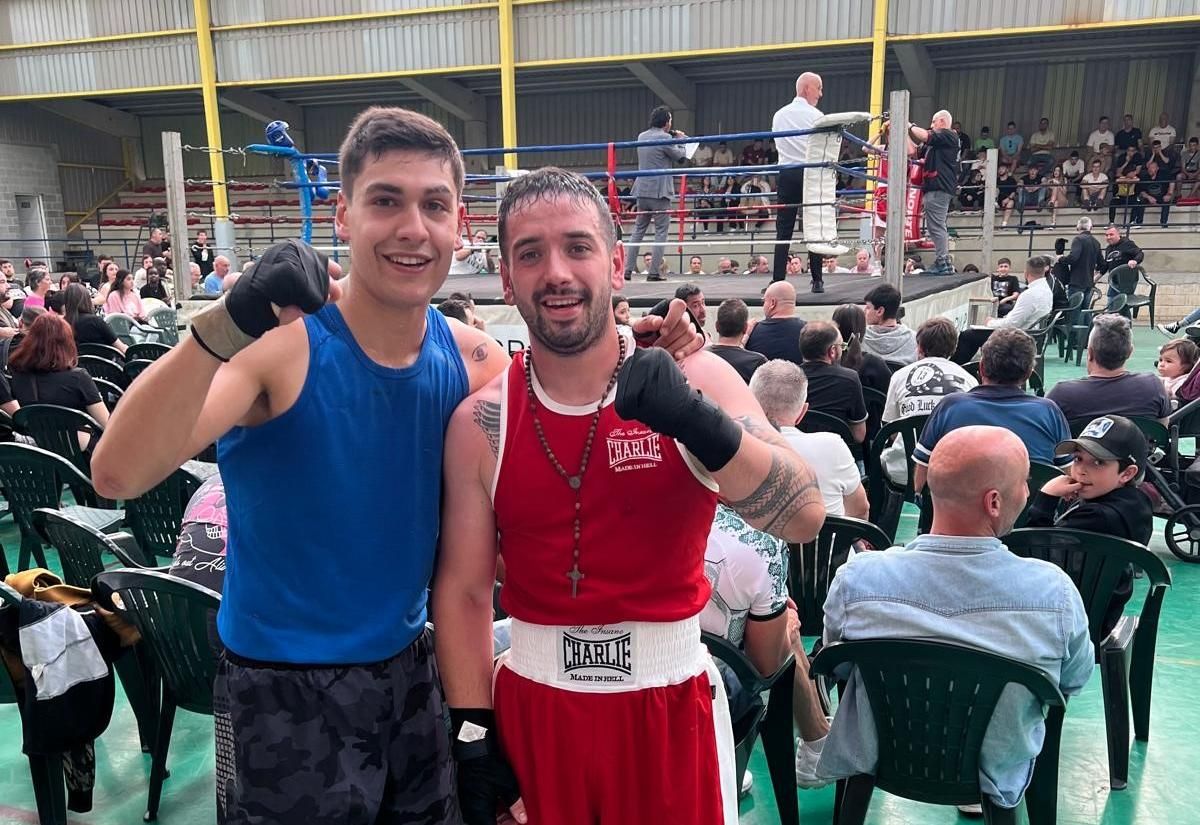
x=897 y=196
x=172 y=152
x=989 y=210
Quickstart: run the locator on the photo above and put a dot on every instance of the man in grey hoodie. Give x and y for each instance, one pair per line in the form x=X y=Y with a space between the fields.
x=885 y=336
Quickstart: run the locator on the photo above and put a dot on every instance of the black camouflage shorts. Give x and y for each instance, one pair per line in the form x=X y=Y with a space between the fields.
x=347 y=745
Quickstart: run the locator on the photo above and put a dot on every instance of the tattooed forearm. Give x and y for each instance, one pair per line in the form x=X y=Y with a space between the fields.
x=784 y=491
x=487 y=417
x=762 y=431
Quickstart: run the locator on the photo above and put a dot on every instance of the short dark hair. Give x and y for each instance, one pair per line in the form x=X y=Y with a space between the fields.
x=1185 y=348
x=660 y=116
x=816 y=338
x=1036 y=265
x=687 y=292
x=55 y=301
x=465 y=297
x=4 y=261
x=885 y=297
x=937 y=337
x=544 y=184
x=454 y=308
x=732 y=318
x=382 y=129
x=1011 y=123
x=617 y=300
x=1004 y=261
x=983 y=129
x=1007 y=357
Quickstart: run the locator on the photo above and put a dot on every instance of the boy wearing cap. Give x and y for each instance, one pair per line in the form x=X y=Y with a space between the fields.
x=1099 y=492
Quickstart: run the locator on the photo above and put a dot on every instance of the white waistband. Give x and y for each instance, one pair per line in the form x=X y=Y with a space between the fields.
x=607 y=658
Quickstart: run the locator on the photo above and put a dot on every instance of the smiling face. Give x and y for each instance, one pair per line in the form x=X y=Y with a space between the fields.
x=560 y=271
x=402 y=223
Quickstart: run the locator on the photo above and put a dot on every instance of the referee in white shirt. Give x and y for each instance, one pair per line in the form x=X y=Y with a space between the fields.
x=800 y=114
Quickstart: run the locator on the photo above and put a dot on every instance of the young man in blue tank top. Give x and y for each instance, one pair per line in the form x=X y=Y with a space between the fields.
x=328 y=706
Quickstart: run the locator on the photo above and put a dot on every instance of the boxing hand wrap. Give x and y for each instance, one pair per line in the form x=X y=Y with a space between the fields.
x=290 y=274
x=651 y=389
x=484 y=776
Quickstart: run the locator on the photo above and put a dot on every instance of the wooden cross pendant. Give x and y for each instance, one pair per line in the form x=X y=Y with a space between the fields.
x=574 y=574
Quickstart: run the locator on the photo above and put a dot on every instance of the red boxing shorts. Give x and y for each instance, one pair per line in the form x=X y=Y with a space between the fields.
x=620 y=724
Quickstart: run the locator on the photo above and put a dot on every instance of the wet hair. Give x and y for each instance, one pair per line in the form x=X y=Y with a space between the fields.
x=548 y=183
x=382 y=129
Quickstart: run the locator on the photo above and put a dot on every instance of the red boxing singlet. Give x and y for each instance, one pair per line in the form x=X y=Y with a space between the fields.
x=644 y=523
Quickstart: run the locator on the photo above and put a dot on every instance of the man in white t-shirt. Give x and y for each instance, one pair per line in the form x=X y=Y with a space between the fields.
x=1101 y=134
x=749 y=606
x=703 y=155
x=1164 y=132
x=917 y=388
x=1093 y=187
x=782 y=391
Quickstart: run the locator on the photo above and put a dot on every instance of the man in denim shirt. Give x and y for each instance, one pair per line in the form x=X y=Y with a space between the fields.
x=959 y=584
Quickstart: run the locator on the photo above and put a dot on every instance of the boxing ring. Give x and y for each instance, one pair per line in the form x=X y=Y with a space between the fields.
x=835 y=220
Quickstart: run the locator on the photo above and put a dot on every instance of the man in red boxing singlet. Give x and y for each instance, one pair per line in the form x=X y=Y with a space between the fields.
x=594 y=467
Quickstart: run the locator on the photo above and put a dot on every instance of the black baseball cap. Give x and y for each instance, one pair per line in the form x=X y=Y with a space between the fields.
x=1111 y=438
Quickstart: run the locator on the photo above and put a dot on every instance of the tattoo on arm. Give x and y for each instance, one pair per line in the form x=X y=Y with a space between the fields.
x=784 y=491
x=480 y=353
x=487 y=417
x=762 y=431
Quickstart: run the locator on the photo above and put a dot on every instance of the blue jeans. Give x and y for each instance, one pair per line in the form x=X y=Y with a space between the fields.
x=1192 y=318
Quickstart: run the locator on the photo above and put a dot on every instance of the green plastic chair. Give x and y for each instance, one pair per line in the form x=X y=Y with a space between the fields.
x=98 y=367
x=1077 y=334
x=885 y=496
x=812 y=566
x=146 y=351
x=1125 y=281
x=136 y=367
x=102 y=351
x=815 y=421
x=773 y=722
x=156 y=516
x=57 y=429
x=1039 y=474
x=46 y=772
x=1095 y=562
x=932 y=703
x=33 y=478
x=172 y=616
x=82 y=550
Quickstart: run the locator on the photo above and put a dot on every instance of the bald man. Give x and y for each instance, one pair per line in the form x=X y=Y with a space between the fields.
x=778 y=334
x=940 y=150
x=801 y=113
x=959 y=584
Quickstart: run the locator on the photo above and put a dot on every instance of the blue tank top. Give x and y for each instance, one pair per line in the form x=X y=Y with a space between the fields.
x=334 y=505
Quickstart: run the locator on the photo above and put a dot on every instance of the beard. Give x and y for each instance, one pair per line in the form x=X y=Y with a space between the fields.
x=572 y=338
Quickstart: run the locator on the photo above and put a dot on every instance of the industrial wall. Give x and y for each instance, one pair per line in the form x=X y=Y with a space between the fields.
x=259 y=41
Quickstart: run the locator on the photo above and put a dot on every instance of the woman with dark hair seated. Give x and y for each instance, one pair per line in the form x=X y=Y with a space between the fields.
x=45 y=370
x=123 y=298
x=89 y=328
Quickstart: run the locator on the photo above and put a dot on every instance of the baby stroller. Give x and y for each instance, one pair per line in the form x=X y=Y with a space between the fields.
x=1175 y=476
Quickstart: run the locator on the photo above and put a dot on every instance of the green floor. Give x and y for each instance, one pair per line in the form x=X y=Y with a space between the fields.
x=1157 y=793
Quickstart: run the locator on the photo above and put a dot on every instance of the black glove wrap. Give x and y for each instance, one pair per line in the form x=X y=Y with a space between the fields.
x=287 y=274
x=485 y=779
x=651 y=389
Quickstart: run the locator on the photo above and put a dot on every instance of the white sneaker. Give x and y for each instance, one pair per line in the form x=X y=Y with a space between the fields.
x=975 y=810
x=747 y=784
x=807 y=756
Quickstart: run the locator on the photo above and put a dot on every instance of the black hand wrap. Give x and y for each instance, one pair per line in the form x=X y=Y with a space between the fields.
x=651 y=389
x=486 y=781
x=290 y=274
